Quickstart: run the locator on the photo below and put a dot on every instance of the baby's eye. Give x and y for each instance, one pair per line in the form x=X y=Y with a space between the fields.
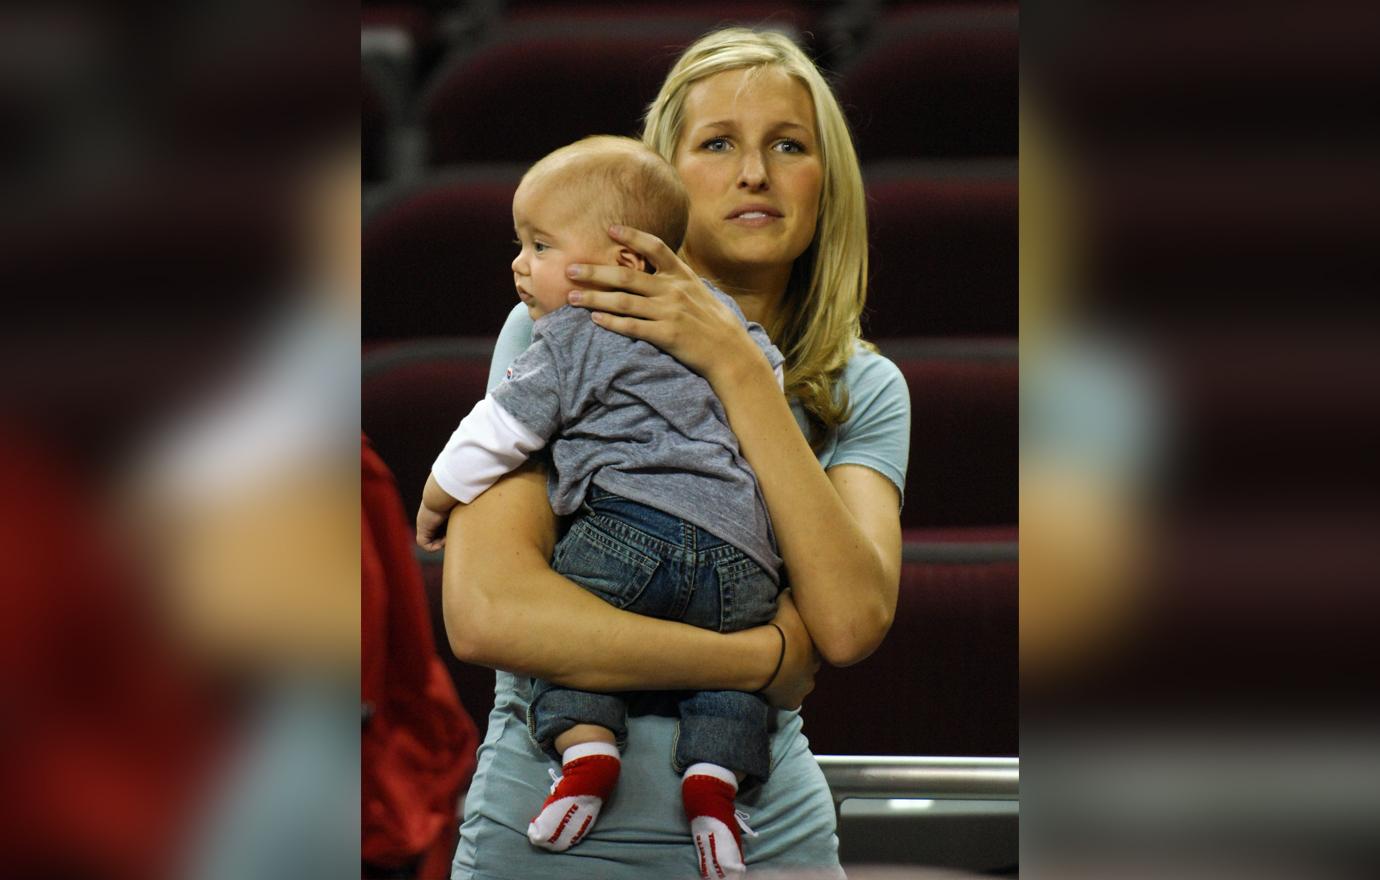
x=538 y=247
x=715 y=145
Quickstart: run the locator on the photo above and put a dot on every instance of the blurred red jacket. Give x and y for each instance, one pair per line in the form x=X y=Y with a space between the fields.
x=418 y=746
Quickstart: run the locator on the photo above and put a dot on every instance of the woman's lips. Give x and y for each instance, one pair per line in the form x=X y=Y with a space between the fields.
x=754 y=219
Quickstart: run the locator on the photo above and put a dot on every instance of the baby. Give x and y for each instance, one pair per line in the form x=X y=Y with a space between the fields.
x=668 y=518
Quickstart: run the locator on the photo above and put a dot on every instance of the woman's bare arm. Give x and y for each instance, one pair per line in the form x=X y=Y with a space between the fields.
x=839 y=533
x=504 y=607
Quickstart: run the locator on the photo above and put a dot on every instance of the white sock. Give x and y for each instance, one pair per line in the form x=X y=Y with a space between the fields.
x=591 y=748
x=591 y=771
x=714 y=770
x=707 y=791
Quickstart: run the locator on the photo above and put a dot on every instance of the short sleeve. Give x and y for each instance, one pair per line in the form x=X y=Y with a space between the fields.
x=877 y=433
x=513 y=340
x=759 y=336
x=531 y=390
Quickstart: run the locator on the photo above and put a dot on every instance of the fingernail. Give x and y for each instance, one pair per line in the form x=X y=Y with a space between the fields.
x=574 y=296
x=573 y=270
x=616 y=230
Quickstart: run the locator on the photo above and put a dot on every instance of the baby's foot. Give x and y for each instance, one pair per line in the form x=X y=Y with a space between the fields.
x=589 y=774
x=714 y=823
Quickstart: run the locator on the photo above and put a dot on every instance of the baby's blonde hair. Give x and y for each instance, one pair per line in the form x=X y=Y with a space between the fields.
x=623 y=181
x=817 y=326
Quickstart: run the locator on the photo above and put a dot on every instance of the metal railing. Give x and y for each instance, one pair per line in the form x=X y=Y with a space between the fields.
x=869 y=776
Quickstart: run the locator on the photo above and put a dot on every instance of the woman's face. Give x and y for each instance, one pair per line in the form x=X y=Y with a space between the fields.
x=749 y=156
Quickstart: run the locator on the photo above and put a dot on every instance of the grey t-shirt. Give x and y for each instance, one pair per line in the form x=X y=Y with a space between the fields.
x=635 y=421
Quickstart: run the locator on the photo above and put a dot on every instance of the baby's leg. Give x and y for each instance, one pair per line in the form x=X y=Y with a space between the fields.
x=581 y=734
x=589 y=762
x=723 y=739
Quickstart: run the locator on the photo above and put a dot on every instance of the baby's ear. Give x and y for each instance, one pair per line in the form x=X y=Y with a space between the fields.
x=632 y=260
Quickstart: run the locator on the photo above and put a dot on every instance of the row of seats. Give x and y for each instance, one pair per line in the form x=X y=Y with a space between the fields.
x=926 y=82
x=964 y=414
x=943 y=252
x=833 y=31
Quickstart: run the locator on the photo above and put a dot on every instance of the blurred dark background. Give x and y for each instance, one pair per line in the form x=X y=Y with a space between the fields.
x=1198 y=485
x=458 y=100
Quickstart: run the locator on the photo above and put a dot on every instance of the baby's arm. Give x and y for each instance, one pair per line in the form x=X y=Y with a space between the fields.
x=516 y=418
x=433 y=515
x=489 y=443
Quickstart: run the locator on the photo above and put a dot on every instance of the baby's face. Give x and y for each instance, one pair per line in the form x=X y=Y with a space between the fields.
x=553 y=232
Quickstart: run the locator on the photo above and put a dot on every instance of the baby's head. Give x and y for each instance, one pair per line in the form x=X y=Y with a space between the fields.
x=568 y=200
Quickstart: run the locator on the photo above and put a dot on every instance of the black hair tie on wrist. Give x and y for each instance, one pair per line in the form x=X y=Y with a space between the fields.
x=780 y=658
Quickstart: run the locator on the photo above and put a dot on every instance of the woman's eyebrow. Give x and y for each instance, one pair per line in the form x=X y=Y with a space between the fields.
x=775 y=126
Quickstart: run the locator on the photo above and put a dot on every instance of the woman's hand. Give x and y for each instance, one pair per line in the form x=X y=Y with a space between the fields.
x=799 y=663
x=672 y=309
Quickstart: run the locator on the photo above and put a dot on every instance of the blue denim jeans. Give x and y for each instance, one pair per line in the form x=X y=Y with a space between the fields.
x=643 y=560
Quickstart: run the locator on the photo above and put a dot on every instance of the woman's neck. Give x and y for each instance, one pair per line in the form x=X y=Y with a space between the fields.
x=757 y=293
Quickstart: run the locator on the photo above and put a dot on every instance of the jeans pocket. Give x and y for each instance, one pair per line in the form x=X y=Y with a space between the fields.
x=604 y=564
x=747 y=594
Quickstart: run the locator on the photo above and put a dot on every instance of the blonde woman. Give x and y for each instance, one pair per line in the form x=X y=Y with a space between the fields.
x=776 y=221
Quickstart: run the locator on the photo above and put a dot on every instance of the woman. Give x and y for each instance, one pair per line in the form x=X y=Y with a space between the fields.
x=777 y=221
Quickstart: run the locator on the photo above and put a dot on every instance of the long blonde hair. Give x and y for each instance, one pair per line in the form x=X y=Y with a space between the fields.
x=817 y=325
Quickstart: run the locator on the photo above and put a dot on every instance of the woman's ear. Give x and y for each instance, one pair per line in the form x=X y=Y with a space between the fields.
x=632 y=260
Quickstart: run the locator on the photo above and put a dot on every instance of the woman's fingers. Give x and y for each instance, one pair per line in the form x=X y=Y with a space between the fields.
x=614 y=301
x=617 y=278
x=668 y=265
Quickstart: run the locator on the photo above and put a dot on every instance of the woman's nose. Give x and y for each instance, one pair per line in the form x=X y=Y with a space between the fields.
x=752 y=174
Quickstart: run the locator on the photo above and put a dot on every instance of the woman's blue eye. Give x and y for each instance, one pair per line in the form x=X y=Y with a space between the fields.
x=790 y=146
x=715 y=145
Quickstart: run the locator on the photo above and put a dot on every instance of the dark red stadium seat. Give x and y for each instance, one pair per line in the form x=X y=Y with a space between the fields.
x=944 y=682
x=437 y=257
x=541 y=84
x=413 y=396
x=964 y=431
x=936 y=82
x=798 y=17
x=943 y=249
